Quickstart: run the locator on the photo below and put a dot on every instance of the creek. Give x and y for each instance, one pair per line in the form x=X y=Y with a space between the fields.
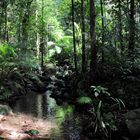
x=44 y=107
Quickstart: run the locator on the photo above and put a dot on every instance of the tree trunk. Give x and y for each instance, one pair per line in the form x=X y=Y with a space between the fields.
x=103 y=29
x=132 y=27
x=1 y=19
x=83 y=37
x=120 y=26
x=42 y=37
x=93 y=63
x=19 y=26
x=6 y=38
x=25 y=25
x=3 y=22
x=74 y=41
x=37 y=36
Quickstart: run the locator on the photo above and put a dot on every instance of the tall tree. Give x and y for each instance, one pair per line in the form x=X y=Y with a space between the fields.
x=132 y=26
x=120 y=26
x=1 y=18
x=19 y=30
x=3 y=24
x=37 y=34
x=103 y=29
x=93 y=63
x=74 y=40
x=83 y=36
x=25 y=24
x=6 y=39
x=42 y=36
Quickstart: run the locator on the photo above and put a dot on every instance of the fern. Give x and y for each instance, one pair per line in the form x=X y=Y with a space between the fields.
x=84 y=100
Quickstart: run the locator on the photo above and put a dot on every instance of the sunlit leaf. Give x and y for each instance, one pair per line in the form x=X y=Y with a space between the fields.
x=84 y=100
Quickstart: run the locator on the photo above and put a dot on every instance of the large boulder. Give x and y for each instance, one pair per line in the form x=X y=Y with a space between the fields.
x=5 y=110
x=132 y=120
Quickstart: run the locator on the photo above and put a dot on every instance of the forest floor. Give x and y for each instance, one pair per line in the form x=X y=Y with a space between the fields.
x=16 y=126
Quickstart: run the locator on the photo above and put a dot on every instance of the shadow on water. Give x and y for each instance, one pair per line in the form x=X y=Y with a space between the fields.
x=45 y=107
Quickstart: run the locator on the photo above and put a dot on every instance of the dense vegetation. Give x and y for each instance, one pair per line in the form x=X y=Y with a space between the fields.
x=92 y=47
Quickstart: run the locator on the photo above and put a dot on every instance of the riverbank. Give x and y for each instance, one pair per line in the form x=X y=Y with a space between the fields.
x=19 y=83
x=15 y=127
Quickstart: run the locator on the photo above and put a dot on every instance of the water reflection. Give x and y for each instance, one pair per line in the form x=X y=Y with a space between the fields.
x=39 y=106
x=42 y=106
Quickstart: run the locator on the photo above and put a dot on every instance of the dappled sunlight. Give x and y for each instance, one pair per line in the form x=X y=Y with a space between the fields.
x=14 y=127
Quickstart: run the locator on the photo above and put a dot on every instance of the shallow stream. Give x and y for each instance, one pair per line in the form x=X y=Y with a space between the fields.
x=45 y=107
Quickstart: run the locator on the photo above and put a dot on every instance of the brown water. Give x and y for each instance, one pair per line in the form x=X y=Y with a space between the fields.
x=44 y=107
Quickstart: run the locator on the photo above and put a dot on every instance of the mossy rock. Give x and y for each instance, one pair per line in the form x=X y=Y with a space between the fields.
x=5 y=110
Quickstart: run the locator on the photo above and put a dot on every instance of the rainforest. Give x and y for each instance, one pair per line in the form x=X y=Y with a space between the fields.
x=70 y=69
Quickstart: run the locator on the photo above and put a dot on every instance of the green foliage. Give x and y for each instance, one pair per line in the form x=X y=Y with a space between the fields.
x=102 y=103
x=118 y=102
x=34 y=77
x=110 y=121
x=5 y=93
x=32 y=132
x=7 y=54
x=103 y=95
x=12 y=65
x=6 y=51
x=29 y=64
x=99 y=90
x=7 y=57
x=63 y=112
x=84 y=100
x=66 y=44
x=53 y=49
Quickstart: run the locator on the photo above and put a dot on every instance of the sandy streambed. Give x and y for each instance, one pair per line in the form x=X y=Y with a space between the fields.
x=13 y=127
